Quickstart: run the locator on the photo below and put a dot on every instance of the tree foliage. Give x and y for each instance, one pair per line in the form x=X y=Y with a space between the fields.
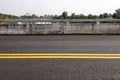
x=117 y=14
x=7 y=16
x=64 y=15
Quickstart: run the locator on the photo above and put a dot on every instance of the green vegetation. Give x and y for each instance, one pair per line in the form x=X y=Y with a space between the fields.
x=116 y=14
x=7 y=16
x=64 y=15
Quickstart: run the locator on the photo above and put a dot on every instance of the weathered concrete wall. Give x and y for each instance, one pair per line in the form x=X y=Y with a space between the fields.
x=59 y=26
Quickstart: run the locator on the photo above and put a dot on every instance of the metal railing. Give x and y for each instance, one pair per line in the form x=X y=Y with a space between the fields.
x=60 y=26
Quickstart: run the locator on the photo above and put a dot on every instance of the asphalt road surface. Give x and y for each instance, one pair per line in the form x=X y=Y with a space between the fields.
x=60 y=69
x=61 y=43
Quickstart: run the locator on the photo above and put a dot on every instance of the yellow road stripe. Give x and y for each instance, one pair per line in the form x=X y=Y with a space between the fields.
x=60 y=55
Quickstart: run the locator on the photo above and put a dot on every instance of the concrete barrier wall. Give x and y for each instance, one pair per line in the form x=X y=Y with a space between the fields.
x=59 y=26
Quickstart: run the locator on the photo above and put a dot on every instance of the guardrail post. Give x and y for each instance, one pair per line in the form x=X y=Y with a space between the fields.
x=67 y=26
x=28 y=26
x=98 y=23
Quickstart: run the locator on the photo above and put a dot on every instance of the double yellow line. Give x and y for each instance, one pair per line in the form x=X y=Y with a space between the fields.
x=58 y=55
